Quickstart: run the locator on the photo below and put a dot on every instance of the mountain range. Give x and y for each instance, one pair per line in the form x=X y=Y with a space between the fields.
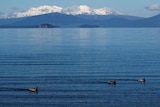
x=77 y=16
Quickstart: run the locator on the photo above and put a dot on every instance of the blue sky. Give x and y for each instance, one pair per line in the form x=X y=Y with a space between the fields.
x=144 y=8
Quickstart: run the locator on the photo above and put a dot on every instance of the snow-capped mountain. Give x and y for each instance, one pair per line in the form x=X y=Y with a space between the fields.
x=79 y=20
x=38 y=11
x=83 y=9
x=75 y=16
x=74 y=10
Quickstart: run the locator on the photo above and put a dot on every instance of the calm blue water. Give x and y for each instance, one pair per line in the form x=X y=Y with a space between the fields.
x=71 y=66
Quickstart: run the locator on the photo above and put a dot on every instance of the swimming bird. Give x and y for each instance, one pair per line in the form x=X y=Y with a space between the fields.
x=141 y=80
x=112 y=82
x=33 y=89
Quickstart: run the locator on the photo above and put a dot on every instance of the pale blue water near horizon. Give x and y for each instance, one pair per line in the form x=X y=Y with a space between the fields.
x=71 y=67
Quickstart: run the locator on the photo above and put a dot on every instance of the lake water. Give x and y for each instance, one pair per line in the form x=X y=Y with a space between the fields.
x=71 y=67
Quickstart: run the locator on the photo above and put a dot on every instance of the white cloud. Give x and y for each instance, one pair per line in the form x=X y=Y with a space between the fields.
x=153 y=7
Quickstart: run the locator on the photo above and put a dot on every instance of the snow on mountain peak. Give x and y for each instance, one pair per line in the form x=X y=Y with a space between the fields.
x=74 y=10
x=84 y=9
x=107 y=11
x=39 y=10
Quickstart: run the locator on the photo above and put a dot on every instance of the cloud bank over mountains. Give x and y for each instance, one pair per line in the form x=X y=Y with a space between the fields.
x=74 y=10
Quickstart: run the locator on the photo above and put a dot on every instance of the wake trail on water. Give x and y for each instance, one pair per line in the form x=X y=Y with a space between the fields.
x=12 y=89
